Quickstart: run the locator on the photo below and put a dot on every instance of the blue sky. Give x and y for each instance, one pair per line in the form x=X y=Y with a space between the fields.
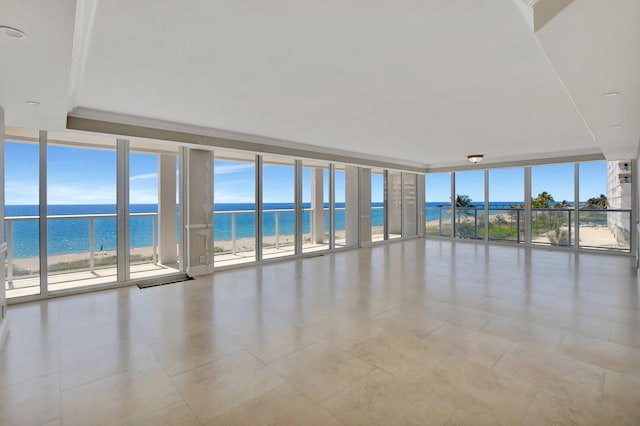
x=88 y=176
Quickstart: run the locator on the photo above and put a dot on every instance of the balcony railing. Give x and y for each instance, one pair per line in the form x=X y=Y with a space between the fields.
x=607 y=229
x=91 y=218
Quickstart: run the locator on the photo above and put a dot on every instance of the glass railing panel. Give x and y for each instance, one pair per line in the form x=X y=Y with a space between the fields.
x=469 y=223
x=506 y=224
x=438 y=221
x=22 y=275
x=553 y=227
x=605 y=229
x=234 y=237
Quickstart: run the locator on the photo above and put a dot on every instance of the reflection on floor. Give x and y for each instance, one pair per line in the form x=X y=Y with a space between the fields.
x=77 y=279
x=416 y=332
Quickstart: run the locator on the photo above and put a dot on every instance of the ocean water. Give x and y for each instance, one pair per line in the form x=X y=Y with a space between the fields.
x=72 y=235
x=67 y=236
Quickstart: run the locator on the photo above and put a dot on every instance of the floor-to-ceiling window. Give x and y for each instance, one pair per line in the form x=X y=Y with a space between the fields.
x=377 y=205
x=506 y=205
x=552 y=205
x=278 y=207
x=21 y=213
x=438 y=218
x=469 y=202
x=81 y=212
x=315 y=203
x=409 y=204
x=346 y=202
x=605 y=205
x=153 y=209
x=234 y=200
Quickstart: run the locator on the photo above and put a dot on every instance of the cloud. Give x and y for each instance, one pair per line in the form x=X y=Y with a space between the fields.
x=144 y=176
x=231 y=168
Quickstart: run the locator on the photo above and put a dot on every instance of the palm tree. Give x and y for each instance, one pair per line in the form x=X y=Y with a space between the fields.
x=542 y=201
x=600 y=203
x=463 y=207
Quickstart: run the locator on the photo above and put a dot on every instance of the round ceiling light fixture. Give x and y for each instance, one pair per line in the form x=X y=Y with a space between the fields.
x=475 y=158
x=12 y=31
x=33 y=103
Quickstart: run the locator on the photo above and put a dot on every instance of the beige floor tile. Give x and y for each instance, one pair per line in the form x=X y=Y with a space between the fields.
x=627 y=334
x=519 y=330
x=32 y=402
x=562 y=407
x=181 y=352
x=475 y=345
x=217 y=388
x=269 y=343
x=320 y=370
x=623 y=359
x=282 y=406
x=93 y=359
x=402 y=356
x=480 y=391
x=381 y=399
x=175 y=415
x=621 y=397
x=412 y=323
x=119 y=399
x=29 y=355
x=344 y=331
x=460 y=315
x=552 y=370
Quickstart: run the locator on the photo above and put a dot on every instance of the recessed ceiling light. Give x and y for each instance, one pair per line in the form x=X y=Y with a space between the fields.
x=33 y=103
x=611 y=94
x=614 y=126
x=12 y=32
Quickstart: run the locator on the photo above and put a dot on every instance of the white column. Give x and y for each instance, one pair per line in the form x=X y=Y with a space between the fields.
x=364 y=206
x=394 y=202
x=4 y=321
x=420 y=201
x=200 y=217
x=317 y=204
x=352 y=214
x=122 y=209
x=167 y=250
x=409 y=200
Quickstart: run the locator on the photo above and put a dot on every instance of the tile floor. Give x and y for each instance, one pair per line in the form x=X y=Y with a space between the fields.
x=417 y=332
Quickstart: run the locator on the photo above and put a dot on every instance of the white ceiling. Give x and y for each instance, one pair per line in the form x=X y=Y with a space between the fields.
x=417 y=81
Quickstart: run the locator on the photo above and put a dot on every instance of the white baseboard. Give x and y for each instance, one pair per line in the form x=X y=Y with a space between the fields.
x=4 y=331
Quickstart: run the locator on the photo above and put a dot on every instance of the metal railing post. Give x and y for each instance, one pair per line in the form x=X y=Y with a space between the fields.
x=277 y=213
x=92 y=259
x=518 y=224
x=233 y=233
x=440 y=221
x=569 y=235
x=475 y=223
x=10 y=252
x=154 y=230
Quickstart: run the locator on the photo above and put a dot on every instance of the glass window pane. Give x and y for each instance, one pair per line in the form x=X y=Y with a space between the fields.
x=315 y=204
x=605 y=205
x=506 y=205
x=21 y=227
x=394 y=207
x=234 y=198
x=552 y=212
x=81 y=223
x=469 y=212
x=438 y=204
x=278 y=214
